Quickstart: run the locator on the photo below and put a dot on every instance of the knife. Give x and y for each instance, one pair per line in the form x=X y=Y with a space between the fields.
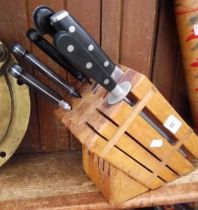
x=41 y=16
x=25 y=78
x=73 y=42
x=63 y=21
x=85 y=62
x=80 y=45
x=17 y=49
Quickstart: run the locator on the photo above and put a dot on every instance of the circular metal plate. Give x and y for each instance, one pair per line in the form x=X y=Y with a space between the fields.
x=5 y=108
x=14 y=115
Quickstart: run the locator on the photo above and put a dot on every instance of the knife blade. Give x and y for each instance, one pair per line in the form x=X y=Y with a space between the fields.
x=25 y=78
x=17 y=49
x=69 y=32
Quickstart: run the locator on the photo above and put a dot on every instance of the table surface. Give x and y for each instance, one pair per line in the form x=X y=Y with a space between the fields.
x=57 y=181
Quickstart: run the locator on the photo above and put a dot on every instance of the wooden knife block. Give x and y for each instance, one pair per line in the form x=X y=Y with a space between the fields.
x=123 y=154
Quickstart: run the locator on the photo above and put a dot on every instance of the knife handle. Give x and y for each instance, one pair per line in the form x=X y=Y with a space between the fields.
x=34 y=36
x=17 y=49
x=82 y=59
x=63 y=21
x=41 y=17
x=16 y=71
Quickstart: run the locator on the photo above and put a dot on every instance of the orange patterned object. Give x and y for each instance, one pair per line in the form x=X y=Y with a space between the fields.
x=187 y=23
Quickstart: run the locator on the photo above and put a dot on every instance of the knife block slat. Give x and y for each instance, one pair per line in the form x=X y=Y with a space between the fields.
x=122 y=153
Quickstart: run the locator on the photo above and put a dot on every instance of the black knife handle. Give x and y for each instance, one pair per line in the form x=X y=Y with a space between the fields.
x=63 y=21
x=16 y=71
x=34 y=36
x=41 y=17
x=81 y=58
x=17 y=49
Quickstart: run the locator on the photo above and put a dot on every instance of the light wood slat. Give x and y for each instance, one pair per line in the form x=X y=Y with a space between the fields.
x=111 y=28
x=110 y=181
x=144 y=134
x=125 y=143
x=134 y=113
x=162 y=110
x=189 y=142
x=100 y=121
x=117 y=158
x=138 y=34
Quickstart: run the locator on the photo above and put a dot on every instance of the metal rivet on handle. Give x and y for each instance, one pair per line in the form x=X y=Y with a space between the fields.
x=90 y=47
x=70 y=48
x=106 y=81
x=72 y=29
x=89 y=65
x=106 y=63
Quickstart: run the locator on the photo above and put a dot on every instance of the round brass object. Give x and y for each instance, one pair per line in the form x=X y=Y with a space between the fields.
x=14 y=111
x=5 y=107
x=2 y=53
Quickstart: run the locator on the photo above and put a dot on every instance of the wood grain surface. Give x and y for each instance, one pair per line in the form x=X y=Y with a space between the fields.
x=53 y=136
x=139 y=34
x=88 y=14
x=13 y=25
x=111 y=28
x=166 y=50
x=56 y=181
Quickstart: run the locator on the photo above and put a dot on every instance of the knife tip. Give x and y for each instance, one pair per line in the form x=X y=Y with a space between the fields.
x=76 y=94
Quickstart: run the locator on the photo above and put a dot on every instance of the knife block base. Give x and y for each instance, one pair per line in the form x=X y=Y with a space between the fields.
x=123 y=153
x=114 y=185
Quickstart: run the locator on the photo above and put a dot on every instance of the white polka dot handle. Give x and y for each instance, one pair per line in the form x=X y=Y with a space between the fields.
x=80 y=58
x=63 y=21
